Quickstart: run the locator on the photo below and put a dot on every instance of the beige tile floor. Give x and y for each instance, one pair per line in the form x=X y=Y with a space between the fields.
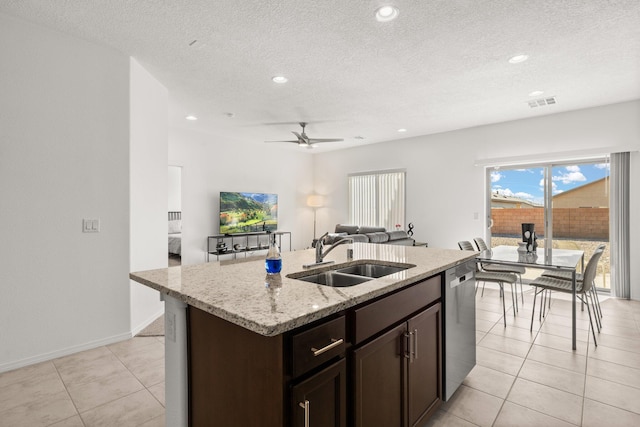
x=521 y=378
x=525 y=378
x=116 y=385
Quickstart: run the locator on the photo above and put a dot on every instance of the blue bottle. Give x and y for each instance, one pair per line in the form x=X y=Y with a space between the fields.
x=273 y=263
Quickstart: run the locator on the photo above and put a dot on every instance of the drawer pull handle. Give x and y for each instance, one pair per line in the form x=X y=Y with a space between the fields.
x=305 y=405
x=334 y=343
x=412 y=345
x=408 y=353
x=415 y=343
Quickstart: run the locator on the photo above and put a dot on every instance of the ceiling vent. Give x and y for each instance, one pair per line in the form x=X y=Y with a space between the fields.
x=542 y=102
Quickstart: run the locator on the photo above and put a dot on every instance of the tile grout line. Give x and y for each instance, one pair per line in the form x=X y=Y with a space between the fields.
x=518 y=373
x=110 y=401
x=586 y=369
x=66 y=389
x=139 y=379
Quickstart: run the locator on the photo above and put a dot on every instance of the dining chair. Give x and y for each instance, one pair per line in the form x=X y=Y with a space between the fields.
x=583 y=288
x=515 y=269
x=579 y=277
x=467 y=246
x=493 y=277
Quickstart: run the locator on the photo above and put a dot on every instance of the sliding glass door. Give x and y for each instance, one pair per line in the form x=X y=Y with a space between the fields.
x=568 y=203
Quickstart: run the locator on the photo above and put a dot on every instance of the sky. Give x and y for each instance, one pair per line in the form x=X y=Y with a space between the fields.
x=528 y=184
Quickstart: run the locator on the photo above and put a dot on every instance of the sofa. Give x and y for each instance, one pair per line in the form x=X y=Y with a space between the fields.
x=367 y=234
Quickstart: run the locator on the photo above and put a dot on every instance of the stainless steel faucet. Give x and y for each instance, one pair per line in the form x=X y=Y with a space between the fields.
x=318 y=244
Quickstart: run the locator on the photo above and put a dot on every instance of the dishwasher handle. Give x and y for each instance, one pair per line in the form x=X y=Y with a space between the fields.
x=461 y=279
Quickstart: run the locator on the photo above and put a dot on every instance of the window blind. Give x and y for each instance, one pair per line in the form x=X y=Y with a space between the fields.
x=377 y=199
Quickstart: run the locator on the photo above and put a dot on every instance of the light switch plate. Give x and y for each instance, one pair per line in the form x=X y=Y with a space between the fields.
x=91 y=225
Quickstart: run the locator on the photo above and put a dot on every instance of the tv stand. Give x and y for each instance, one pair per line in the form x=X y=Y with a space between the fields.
x=242 y=243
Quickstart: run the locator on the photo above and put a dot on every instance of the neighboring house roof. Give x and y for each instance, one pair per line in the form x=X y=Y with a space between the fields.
x=502 y=201
x=594 y=194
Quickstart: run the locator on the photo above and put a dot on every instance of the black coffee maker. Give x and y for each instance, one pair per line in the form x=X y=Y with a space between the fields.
x=529 y=236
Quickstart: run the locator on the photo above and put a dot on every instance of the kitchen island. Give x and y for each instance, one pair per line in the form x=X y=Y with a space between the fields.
x=244 y=348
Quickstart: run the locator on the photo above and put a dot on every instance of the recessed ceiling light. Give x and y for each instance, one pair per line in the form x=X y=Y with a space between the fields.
x=280 y=79
x=387 y=13
x=402 y=130
x=518 y=58
x=191 y=117
x=536 y=93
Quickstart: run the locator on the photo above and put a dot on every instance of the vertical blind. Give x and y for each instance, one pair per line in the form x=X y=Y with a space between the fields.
x=377 y=199
x=619 y=226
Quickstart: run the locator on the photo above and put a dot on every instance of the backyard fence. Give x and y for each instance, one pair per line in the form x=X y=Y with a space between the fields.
x=578 y=223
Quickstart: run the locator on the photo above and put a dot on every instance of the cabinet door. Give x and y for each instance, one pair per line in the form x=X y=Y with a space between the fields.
x=423 y=368
x=325 y=398
x=378 y=384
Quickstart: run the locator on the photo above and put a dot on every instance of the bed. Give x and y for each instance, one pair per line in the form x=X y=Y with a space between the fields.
x=175 y=233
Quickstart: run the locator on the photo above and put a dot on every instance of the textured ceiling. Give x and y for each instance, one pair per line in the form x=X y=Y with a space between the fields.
x=441 y=65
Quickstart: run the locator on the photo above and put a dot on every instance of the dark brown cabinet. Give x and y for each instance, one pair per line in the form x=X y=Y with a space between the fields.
x=322 y=399
x=375 y=364
x=424 y=392
x=378 y=379
x=397 y=375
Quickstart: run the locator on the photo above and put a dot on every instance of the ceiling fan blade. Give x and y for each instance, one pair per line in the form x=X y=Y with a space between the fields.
x=305 y=141
x=300 y=137
x=314 y=140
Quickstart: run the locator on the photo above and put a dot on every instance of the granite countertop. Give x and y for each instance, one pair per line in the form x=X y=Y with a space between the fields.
x=240 y=291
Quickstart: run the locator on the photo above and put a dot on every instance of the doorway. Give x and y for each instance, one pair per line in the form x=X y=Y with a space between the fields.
x=568 y=202
x=174 y=215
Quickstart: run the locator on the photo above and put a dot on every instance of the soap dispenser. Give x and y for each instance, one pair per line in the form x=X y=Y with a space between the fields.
x=273 y=263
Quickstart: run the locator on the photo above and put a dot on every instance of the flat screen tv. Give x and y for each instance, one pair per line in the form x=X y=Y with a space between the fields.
x=248 y=212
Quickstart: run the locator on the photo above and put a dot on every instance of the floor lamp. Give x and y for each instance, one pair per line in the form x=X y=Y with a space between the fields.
x=314 y=201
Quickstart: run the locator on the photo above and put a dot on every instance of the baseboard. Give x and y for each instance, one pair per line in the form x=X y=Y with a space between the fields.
x=63 y=352
x=135 y=331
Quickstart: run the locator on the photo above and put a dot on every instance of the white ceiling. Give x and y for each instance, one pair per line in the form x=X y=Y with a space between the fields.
x=441 y=65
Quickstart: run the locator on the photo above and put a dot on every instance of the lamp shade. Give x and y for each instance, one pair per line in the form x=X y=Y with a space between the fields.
x=314 y=201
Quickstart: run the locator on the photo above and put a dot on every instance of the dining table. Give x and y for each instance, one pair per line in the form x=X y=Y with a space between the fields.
x=547 y=258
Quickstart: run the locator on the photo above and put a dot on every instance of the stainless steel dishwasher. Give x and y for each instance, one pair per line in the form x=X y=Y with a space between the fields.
x=460 y=326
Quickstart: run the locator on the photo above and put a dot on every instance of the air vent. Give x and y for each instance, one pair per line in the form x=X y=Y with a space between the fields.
x=542 y=102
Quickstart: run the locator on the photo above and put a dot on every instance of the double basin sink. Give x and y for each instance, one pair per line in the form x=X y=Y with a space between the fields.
x=353 y=274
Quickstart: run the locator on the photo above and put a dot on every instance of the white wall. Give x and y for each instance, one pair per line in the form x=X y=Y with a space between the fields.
x=209 y=166
x=445 y=188
x=64 y=156
x=149 y=185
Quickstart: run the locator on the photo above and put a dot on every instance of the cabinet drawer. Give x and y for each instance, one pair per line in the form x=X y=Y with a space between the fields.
x=374 y=317
x=315 y=346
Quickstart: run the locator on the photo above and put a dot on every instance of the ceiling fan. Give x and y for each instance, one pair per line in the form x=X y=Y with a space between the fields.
x=304 y=141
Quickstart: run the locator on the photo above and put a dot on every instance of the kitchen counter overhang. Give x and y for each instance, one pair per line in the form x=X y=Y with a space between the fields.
x=241 y=292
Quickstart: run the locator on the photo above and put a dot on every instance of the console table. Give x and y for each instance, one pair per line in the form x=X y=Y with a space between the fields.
x=242 y=243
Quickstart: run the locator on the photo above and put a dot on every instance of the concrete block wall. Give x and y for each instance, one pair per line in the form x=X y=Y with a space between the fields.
x=579 y=223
